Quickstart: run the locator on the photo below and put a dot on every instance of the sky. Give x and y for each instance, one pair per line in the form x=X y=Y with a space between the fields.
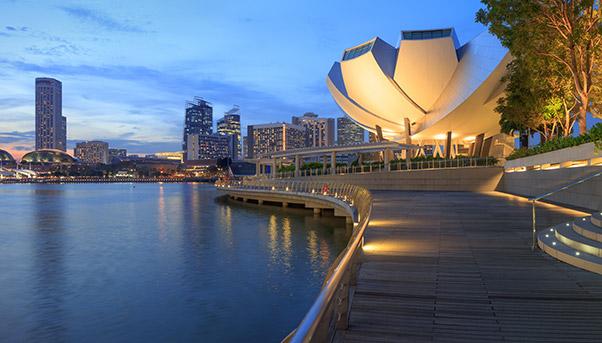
x=128 y=67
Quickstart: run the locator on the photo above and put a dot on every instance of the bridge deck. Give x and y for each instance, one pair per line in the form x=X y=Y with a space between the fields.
x=458 y=266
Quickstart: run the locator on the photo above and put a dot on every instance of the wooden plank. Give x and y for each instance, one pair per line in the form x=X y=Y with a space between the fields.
x=452 y=266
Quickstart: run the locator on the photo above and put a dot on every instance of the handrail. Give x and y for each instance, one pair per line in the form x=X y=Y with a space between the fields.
x=547 y=194
x=394 y=165
x=330 y=310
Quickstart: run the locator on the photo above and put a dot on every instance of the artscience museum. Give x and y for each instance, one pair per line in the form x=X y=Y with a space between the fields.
x=430 y=90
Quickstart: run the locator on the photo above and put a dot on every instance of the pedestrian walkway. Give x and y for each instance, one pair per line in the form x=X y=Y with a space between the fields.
x=458 y=266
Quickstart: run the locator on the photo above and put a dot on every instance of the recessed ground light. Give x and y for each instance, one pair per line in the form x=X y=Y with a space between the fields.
x=553 y=243
x=577 y=253
x=583 y=219
x=547 y=235
x=567 y=224
x=552 y=229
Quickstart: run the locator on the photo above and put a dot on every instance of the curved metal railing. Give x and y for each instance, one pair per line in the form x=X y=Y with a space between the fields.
x=330 y=310
x=395 y=165
x=547 y=194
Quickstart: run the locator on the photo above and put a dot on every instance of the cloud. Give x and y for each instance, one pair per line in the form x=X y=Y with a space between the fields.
x=16 y=136
x=13 y=28
x=100 y=19
x=219 y=92
x=58 y=50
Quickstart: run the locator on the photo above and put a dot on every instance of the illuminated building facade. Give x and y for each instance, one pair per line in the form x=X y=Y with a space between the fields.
x=198 y=120
x=51 y=125
x=92 y=152
x=319 y=132
x=229 y=125
x=267 y=138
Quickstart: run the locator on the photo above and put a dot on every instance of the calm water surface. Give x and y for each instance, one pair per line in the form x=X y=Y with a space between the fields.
x=155 y=263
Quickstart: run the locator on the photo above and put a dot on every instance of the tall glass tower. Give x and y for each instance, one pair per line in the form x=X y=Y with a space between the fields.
x=51 y=125
x=229 y=125
x=198 y=121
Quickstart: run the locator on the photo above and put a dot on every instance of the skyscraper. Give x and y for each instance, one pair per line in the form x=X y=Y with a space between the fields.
x=229 y=125
x=266 y=138
x=51 y=125
x=198 y=120
x=93 y=152
x=318 y=131
x=348 y=132
x=208 y=147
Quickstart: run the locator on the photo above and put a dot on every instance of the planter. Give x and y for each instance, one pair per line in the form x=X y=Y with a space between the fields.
x=577 y=156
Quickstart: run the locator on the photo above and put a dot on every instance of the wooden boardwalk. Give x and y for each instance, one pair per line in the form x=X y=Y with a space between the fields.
x=458 y=267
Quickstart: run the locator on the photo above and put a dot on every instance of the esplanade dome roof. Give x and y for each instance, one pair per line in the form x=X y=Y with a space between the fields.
x=5 y=156
x=47 y=156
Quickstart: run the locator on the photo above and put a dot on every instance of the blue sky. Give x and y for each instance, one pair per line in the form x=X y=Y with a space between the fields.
x=129 y=67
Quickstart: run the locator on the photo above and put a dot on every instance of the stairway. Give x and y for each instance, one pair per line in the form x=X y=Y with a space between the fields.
x=578 y=243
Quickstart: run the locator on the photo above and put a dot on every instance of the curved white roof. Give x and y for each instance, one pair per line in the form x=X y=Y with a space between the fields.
x=439 y=86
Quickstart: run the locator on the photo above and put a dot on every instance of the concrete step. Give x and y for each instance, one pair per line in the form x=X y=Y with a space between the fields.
x=566 y=235
x=597 y=219
x=547 y=241
x=586 y=228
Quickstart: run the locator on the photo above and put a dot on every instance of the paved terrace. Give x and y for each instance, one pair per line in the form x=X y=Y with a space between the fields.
x=458 y=266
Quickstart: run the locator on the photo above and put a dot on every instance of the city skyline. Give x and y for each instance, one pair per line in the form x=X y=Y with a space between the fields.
x=121 y=87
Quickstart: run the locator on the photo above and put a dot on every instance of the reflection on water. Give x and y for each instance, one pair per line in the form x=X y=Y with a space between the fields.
x=150 y=262
x=48 y=270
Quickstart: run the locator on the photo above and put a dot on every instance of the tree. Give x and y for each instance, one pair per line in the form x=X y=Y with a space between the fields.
x=534 y=103
x=561 y=40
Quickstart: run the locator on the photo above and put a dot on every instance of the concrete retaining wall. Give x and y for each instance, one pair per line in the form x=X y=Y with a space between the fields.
x=587 y=195
x=478 y=179
x=584 y=154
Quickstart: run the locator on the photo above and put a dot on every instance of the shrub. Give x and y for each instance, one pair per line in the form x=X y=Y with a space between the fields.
x=593 y=135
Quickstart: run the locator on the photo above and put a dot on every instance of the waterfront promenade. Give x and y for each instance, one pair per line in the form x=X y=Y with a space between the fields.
x=458 y=266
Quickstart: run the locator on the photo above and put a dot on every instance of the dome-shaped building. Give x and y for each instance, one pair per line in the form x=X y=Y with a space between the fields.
x=6 y=157
x=427 y=90
x=49 y=156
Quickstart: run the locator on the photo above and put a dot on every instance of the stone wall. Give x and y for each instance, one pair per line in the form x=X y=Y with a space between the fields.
x=587 y=195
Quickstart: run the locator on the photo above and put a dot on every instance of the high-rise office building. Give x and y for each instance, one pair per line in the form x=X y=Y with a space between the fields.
x=267 y=138
x=92 y=152
x=348 y=132
x=318 y=131
x=51 y=125
x=229 y=125
x=208 y=147
x=198 y=120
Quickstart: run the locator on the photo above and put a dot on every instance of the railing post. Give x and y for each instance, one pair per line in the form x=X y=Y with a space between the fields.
x=341 y=311
x=534 y=224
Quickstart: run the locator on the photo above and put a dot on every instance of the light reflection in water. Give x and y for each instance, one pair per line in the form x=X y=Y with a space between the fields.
x=273 y=237
x=162 y=215
x=286 y=242
x=312 y=246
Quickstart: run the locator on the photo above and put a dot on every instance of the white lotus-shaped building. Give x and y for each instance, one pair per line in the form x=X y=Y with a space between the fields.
x=429 y=86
